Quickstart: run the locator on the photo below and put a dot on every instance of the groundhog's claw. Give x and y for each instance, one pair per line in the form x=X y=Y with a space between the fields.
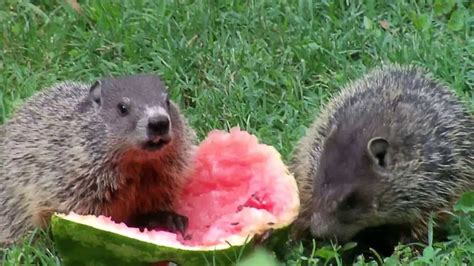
x=176 y=222
x=167 y=220
x=262 y=238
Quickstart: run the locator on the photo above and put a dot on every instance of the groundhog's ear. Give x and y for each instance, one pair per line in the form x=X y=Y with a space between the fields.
x=377 y=149
x=95 y=93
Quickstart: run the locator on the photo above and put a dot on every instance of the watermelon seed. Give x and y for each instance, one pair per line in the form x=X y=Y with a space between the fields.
x=235 y=223
x=271 y=223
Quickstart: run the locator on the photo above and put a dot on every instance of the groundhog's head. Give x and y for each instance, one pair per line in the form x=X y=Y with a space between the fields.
x=137 y=111
x=354 y=192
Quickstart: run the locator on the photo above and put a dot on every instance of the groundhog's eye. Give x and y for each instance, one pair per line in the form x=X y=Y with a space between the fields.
x=123 y=109
x=168 y=102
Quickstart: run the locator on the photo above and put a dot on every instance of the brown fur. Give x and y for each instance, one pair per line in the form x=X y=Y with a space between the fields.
x=151 y=190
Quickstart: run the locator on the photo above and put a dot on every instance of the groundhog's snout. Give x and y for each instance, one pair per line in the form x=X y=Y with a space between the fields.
x=158 y=132
x=158 y=128
x=328 y=228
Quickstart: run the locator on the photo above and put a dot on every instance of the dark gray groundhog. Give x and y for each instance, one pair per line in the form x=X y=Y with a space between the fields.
x=387 y=152
x=119 y=148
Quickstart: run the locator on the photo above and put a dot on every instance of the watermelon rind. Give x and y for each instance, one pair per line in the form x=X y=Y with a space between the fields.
x=82 y=244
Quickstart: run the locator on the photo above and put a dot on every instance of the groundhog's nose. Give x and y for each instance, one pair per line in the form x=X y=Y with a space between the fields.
x=158 y=126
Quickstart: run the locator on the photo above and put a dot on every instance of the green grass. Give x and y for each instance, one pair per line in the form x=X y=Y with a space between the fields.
x=266 y=66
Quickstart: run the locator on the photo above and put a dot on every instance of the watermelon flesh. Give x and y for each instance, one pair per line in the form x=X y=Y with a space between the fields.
x=238 y=188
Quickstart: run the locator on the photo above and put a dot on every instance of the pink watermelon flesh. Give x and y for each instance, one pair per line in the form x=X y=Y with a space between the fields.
x=238 y=188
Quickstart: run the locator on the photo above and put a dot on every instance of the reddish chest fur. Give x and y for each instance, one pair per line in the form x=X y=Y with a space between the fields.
x=146 y=184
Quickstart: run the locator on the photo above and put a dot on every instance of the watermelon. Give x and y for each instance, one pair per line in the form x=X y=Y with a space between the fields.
x=238 y=189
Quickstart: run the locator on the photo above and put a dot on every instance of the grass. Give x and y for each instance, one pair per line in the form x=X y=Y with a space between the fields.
x=266 y=66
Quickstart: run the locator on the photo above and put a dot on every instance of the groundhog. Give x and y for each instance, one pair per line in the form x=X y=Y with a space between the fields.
x=119 y=148
x=386 y=152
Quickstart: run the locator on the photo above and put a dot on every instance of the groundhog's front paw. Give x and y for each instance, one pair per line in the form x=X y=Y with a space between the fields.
x=264 y=237
x=175 y=222
x=166 y=220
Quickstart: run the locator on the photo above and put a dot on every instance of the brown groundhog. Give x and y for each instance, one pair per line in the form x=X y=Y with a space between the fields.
x=118 y=148
x=384 y=154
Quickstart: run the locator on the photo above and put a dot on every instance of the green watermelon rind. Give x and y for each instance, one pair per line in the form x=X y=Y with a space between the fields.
x=76 y=241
